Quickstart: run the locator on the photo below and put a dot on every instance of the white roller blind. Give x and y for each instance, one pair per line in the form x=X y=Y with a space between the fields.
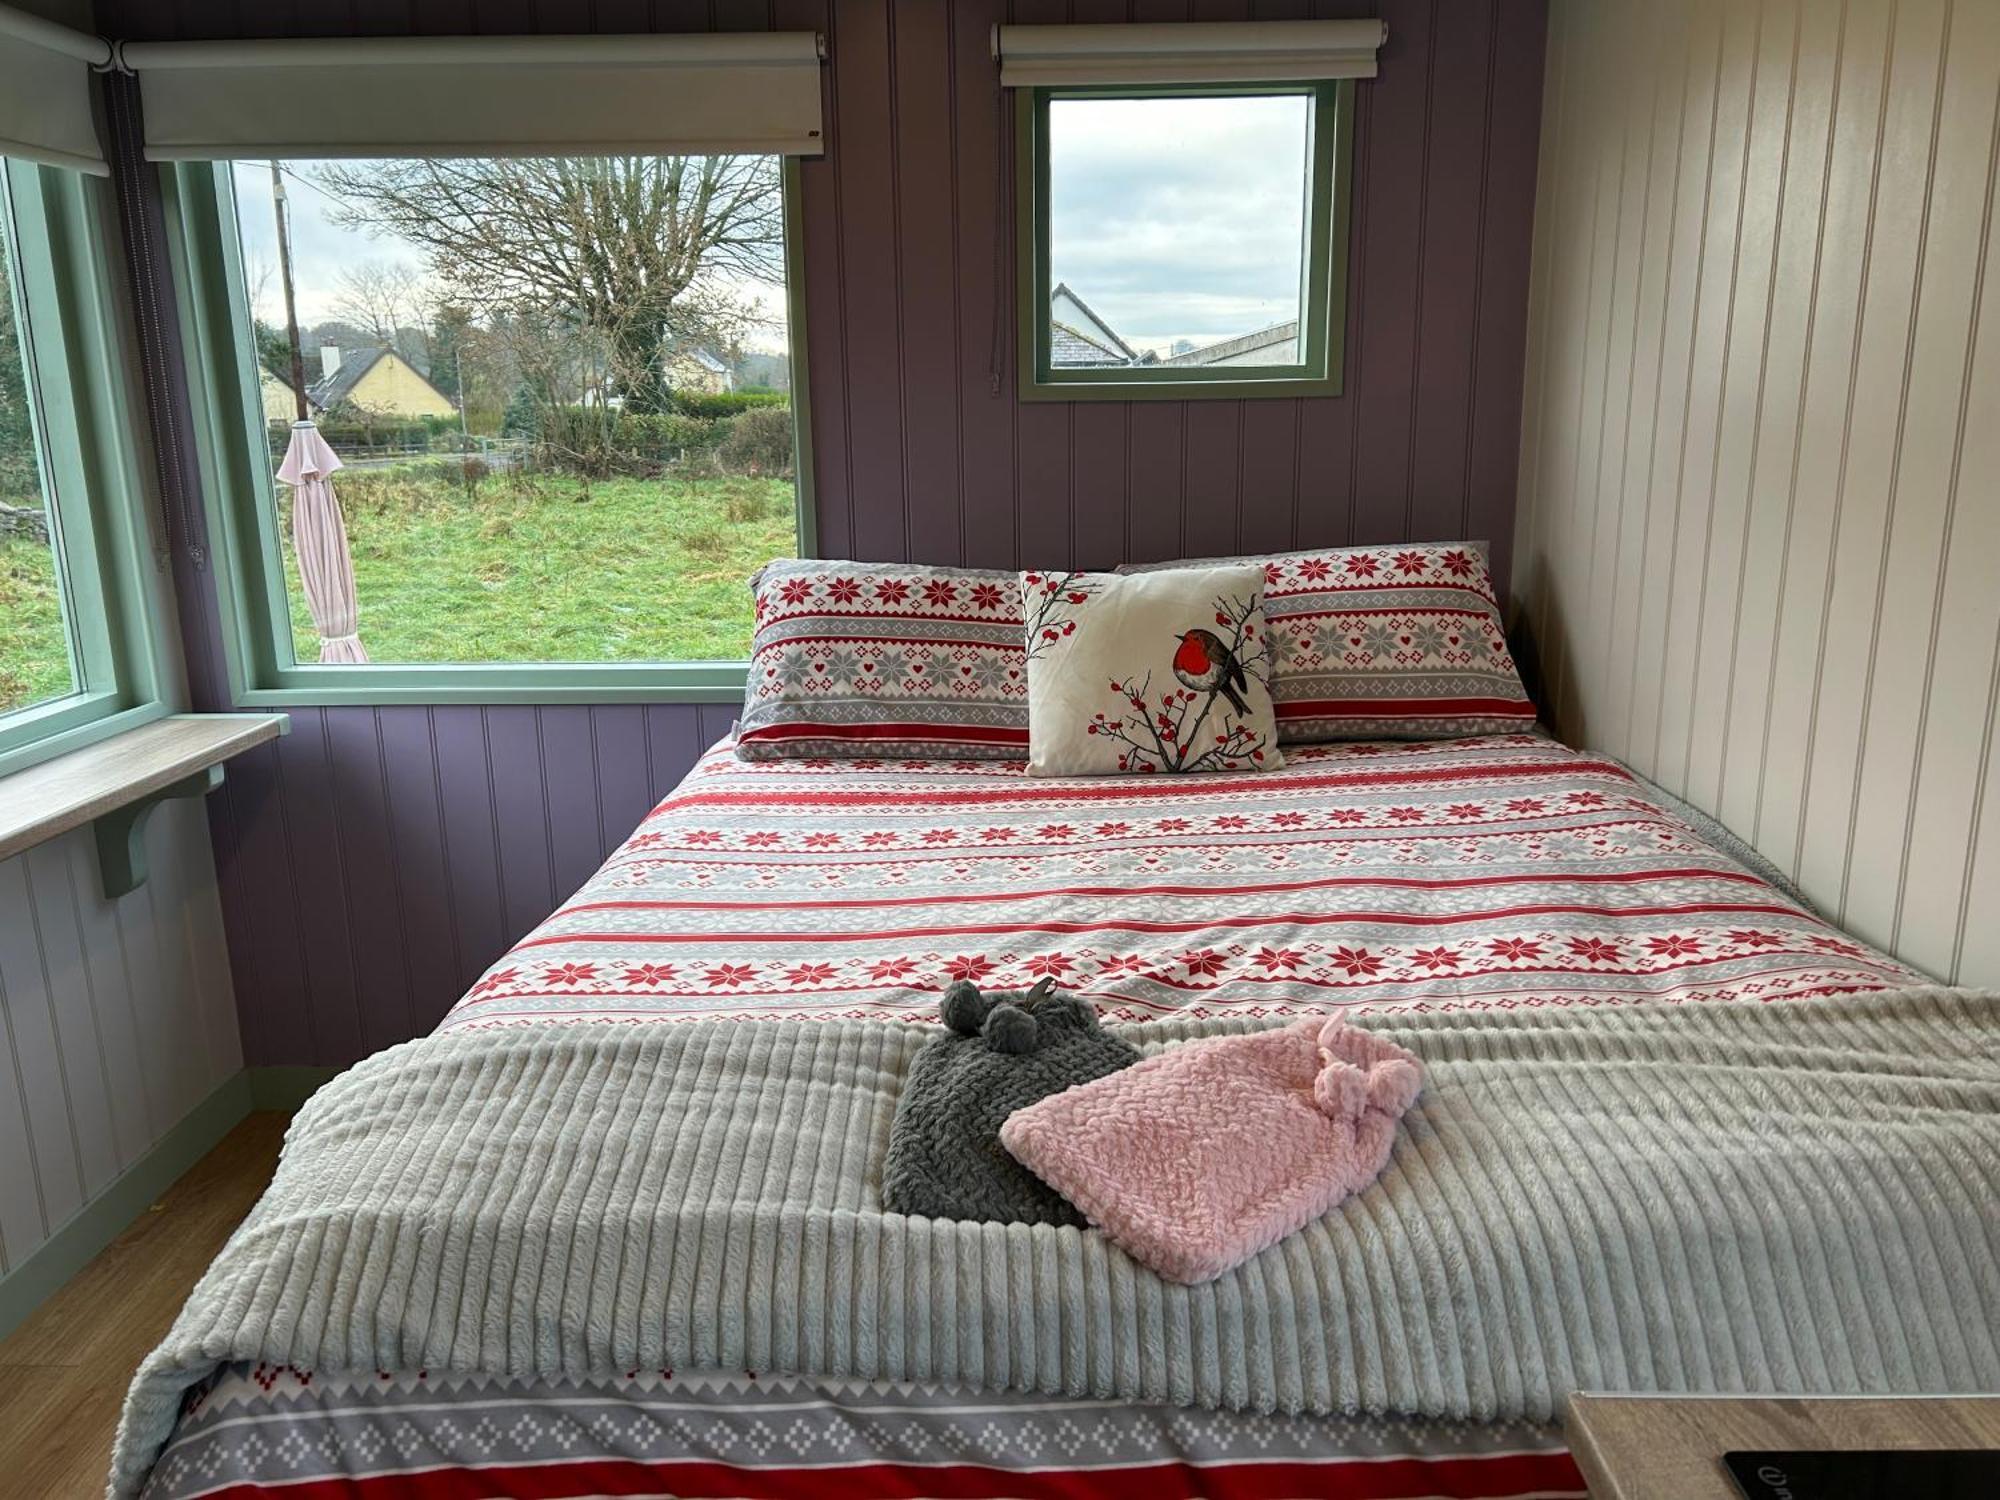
x=1188 y=52
x=45 y=92
x=481 y=96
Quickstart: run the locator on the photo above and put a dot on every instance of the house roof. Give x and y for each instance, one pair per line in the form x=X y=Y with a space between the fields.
x=331 y=390
x=1071 y=346
x=708 y=359
x=1089 y=339
x=1261 y=338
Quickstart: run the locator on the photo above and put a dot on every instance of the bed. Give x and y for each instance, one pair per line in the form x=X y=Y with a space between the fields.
x=1440 y=878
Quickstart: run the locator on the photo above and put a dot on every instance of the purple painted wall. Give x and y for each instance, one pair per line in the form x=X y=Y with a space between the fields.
x=374 y=862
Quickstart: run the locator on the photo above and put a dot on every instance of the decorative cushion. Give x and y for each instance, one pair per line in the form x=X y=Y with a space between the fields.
x=1197 y=1158
x=884 y=661
x=1165 y=671
x=1001 y=1051
x=1400 y=642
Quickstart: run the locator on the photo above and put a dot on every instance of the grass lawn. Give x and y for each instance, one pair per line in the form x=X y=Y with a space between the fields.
x=531 y=569
x=34 y=653
x=542 y=568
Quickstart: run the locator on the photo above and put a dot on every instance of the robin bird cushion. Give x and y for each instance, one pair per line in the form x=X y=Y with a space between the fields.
x=1148 y=672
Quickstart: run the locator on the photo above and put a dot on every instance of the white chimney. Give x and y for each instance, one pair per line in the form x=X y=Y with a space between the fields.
x=329 y=361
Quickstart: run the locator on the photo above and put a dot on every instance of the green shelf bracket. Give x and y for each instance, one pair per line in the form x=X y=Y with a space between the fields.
x=121 y=833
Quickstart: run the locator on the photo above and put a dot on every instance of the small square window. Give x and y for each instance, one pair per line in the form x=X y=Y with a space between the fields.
x=1182 y=242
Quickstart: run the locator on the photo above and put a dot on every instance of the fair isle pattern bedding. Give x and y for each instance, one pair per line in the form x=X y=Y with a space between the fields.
x=275 y=1431
x=884 y=660
x=1475 y=873
x=1395 y=642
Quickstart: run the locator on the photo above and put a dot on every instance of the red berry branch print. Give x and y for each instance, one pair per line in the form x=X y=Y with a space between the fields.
x=1181 y=730
x=1051 y=601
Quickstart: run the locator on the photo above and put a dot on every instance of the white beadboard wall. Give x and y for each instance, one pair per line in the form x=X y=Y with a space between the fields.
x=118 y=1017
x=1758 y=544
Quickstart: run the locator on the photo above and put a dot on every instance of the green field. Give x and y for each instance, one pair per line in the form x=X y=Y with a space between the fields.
x=34 y=656
x=536 y=568
x=547 y=569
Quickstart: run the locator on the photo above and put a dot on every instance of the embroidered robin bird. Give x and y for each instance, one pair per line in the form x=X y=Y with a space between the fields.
x=1203 y=663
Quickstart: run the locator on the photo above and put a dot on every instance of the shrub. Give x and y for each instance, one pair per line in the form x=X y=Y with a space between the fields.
x=723 y=403
x=345 y=434
x=521 y=418
x=758 y=442
x=661 y=435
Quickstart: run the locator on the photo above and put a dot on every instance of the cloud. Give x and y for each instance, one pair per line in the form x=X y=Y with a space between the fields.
x=320 y=248
x=1180 y=218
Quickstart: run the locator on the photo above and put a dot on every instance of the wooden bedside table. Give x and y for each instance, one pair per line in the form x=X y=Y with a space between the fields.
x=1671 y=1447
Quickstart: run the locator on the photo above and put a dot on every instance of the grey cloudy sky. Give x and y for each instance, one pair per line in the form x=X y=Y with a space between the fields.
x=319 y=248
x=1179 y=218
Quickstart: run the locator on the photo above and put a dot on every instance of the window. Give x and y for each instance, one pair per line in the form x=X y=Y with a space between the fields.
x=1182 y=241
x=37 y=657
x=562 y=392
x=76 y=653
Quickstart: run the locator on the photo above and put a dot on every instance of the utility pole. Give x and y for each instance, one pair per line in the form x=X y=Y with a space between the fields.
x=280 y=208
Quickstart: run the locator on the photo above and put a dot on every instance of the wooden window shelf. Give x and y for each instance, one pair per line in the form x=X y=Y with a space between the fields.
x=114 y=784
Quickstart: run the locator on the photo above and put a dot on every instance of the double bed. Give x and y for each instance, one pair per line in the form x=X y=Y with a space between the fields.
x=1441 y=878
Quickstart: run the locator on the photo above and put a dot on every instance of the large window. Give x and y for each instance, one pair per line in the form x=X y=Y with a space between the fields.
x=1182 y=241
x=76 y=653
x=562 y=395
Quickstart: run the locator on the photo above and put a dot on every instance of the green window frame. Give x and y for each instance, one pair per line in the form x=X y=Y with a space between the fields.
x=264 y=670
x=1322 y=319
x=110 y=576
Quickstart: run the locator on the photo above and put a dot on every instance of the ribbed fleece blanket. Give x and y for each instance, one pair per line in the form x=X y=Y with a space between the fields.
x=1797 y=1196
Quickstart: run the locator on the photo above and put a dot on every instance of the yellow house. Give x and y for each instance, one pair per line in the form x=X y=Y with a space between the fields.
x=693 y=368
x=378 y=381
x=278 y=403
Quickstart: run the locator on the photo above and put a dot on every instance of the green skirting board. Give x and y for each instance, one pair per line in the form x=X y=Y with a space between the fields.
x=79 y=1239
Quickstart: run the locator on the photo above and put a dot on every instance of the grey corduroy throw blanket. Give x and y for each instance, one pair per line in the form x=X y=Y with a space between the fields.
x=1802 y=1196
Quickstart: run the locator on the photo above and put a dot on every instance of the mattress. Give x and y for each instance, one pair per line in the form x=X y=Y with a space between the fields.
x=1505 y=871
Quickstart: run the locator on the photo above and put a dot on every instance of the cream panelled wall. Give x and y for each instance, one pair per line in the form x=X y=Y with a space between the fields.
x=116 y=1018
x=1758 y=544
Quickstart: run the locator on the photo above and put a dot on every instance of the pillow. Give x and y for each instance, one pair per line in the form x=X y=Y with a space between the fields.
x=1163 y=671
x=1397 y=642
x=884 y=661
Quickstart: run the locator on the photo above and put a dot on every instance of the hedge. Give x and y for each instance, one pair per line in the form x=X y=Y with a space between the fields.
x=723 y=403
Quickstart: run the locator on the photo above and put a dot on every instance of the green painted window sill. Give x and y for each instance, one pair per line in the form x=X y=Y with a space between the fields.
x=502 y=682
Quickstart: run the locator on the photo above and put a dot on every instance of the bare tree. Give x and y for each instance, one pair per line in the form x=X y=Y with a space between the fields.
x=640 y=249
x=392 y=302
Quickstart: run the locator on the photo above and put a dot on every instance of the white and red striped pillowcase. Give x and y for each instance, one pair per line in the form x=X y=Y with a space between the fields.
x=1393 y=642
x=890 y=661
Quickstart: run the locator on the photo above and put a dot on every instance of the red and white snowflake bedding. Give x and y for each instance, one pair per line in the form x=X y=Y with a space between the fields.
x=1503 y=871
x=1440 y=874
x=270 y=1431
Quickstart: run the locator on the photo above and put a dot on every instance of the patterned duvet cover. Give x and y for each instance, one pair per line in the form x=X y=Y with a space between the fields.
x=1503 y=871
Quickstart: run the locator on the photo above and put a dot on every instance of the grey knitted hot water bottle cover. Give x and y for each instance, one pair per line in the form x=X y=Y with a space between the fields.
x=1001 y=1052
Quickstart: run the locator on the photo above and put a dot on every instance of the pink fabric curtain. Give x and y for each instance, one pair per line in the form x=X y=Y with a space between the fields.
x=319 y=536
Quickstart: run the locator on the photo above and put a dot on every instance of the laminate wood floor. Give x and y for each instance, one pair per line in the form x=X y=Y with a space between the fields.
x=63 y=1373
